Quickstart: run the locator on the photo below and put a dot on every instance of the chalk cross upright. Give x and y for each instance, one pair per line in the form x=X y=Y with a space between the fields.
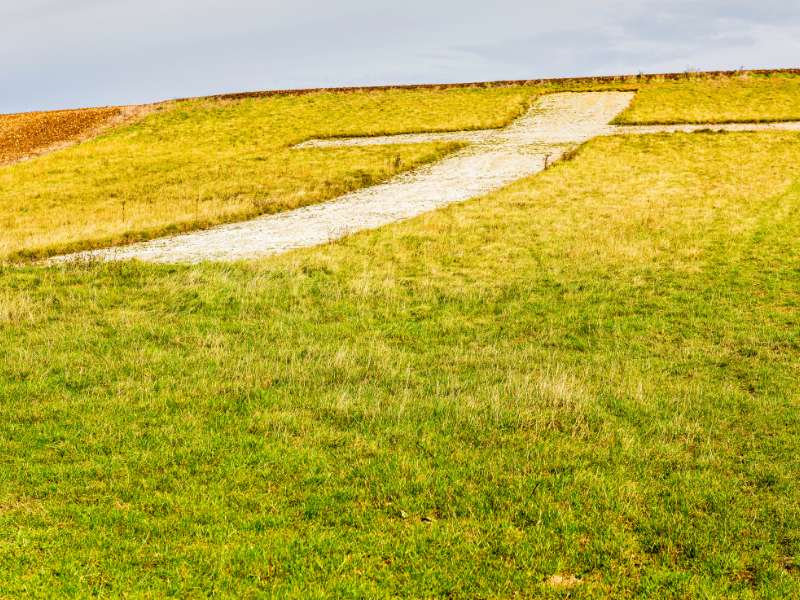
x=494 y=158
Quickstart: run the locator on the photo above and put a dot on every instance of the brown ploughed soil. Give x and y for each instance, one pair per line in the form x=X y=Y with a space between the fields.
x=25 y=135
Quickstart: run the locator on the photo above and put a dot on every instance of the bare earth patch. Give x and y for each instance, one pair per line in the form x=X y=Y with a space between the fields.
x=28 y=135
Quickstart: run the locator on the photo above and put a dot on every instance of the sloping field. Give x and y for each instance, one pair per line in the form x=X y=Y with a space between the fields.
x=582 y=385
x=197 y=163
x=555 y=125
x=753 y=98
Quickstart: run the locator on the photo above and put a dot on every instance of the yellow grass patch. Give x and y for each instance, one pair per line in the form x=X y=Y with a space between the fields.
x=16 y=309
x=717 y=100
x=194 y=164
x=198 y=163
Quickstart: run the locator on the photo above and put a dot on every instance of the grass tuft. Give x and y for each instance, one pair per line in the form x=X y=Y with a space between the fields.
x=16 y=310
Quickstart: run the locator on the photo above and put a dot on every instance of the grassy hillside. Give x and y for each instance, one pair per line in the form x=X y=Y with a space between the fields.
x=197 y=163
x=717 y=100
x=584 y=384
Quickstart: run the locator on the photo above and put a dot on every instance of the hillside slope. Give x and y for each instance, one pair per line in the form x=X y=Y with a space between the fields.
x=582 y=385
x=196 y=163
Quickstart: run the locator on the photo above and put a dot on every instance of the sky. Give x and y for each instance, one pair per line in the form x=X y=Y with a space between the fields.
x=73 y=53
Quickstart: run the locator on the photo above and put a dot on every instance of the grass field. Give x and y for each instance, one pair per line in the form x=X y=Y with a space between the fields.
x=584 y=385
x=755 y=98
x=198 y=163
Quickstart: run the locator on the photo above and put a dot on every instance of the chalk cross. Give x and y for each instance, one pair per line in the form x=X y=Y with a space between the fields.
x=494 y=158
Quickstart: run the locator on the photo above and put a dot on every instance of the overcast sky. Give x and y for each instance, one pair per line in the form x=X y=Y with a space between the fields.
x=69 y=53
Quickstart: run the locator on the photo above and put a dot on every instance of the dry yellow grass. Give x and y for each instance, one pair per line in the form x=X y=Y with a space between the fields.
x=717 y=100
x=683 y=184
x=194 y=164
x=15 y=308
x=198 y=163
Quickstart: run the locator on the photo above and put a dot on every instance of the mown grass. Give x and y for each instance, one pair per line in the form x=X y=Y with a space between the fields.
x=699 y=99
x=584 y=384
x=198 y=163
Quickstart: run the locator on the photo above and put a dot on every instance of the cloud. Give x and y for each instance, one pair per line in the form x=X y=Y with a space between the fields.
x=90 y=52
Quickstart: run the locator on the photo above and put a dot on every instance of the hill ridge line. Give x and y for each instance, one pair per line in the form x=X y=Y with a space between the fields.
x=630 y=78
x=577 y=80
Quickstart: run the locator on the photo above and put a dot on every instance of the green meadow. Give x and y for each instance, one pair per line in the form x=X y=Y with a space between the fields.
x=584 y=385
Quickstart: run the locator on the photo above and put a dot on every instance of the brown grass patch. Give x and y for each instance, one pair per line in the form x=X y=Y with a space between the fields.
x=563 y=581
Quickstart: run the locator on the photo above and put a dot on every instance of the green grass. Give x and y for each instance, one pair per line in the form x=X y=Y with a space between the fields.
x=590 y=374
